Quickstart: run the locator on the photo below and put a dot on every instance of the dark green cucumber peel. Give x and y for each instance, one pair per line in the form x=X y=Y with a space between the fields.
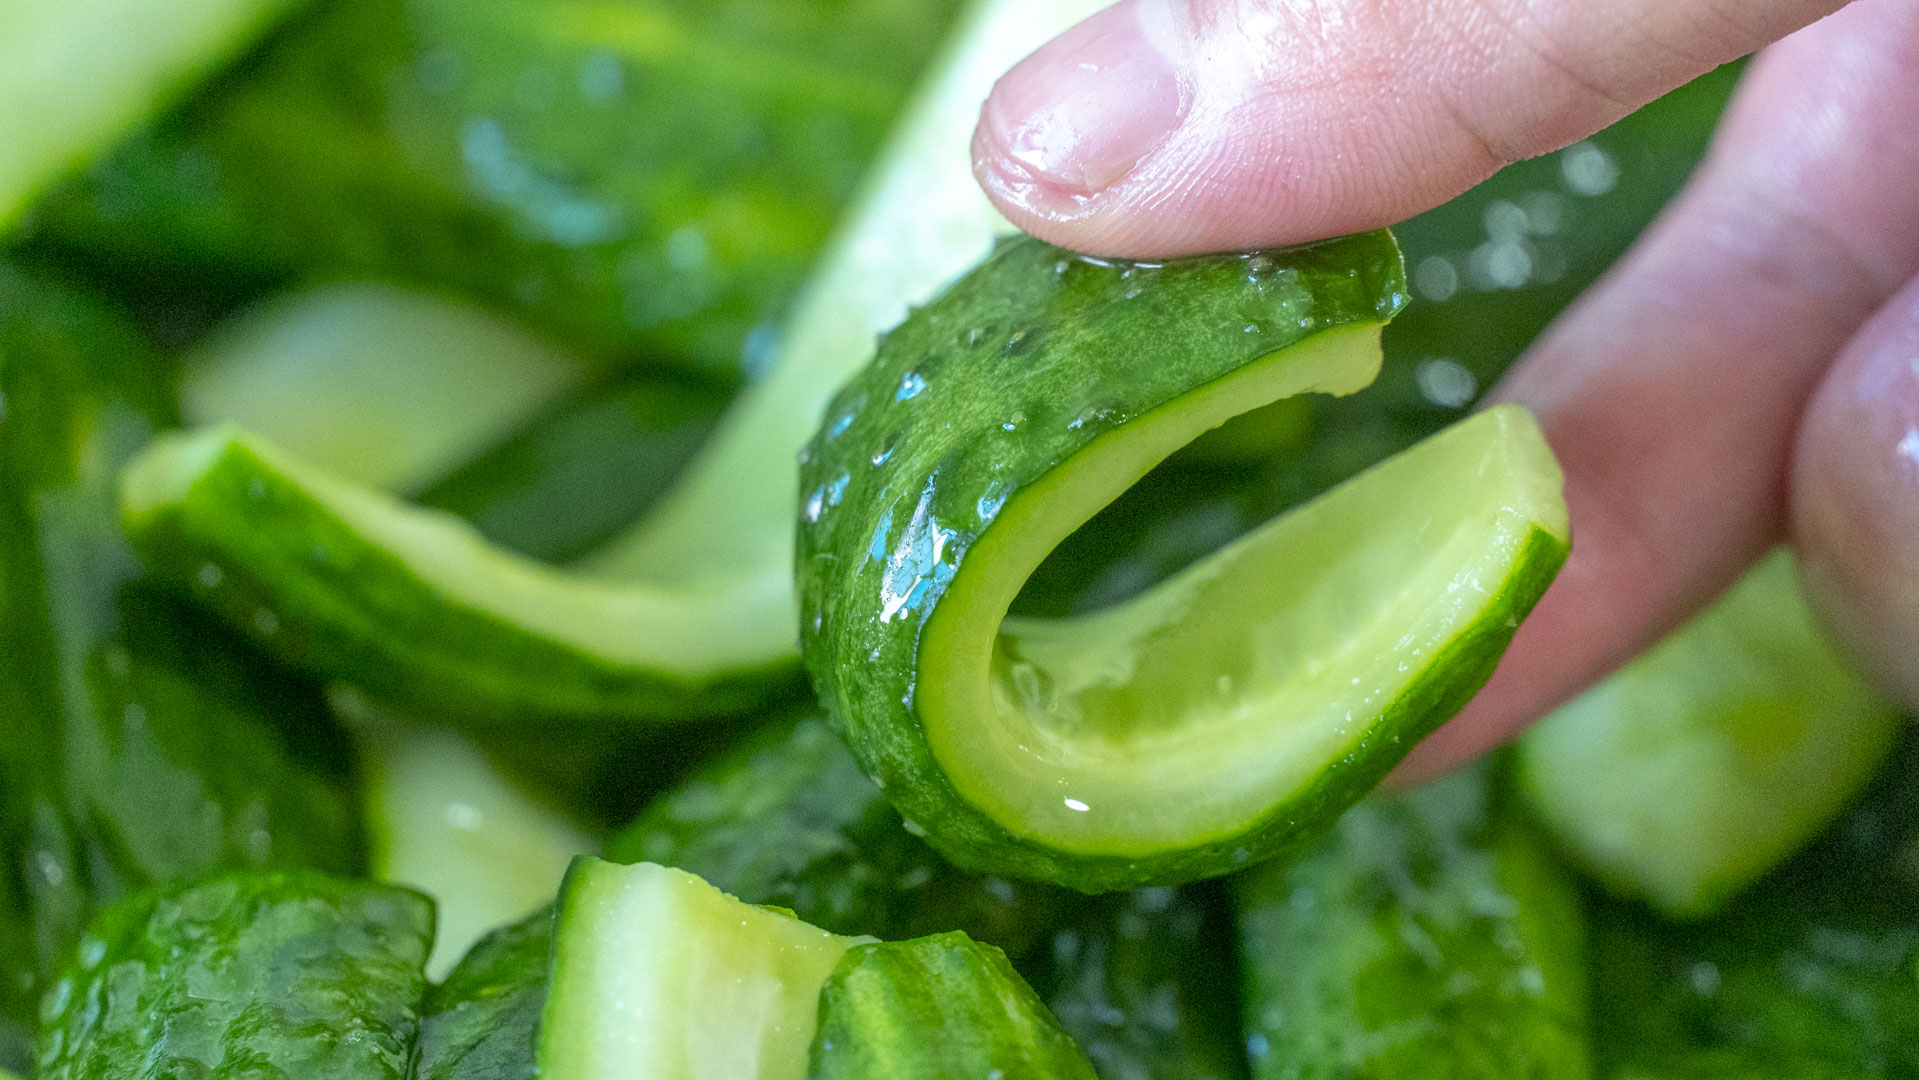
x=934 y=1008
x=288 y=973
x=138 y=741
x=787 y=818
x=1430 y=934
x=974 y=401
x=482 y=1022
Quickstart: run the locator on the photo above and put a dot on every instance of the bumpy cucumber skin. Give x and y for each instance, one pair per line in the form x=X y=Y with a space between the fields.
x=648 y=178
x=1147 y=984
x=138 y=741
x=1074 y=349
x=306 y=586
x=288 y=973
x=934 y=1008
x=1429 y=935
x=788 y=819
x=481 y=1023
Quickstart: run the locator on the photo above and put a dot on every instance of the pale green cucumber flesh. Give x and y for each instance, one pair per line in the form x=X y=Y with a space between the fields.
x=658 y=975
x=1703 y=763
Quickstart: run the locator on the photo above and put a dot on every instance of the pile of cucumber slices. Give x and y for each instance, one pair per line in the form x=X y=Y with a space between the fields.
x=566 y=539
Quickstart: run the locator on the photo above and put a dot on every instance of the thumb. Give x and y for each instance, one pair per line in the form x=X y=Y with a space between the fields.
x=1174 y=127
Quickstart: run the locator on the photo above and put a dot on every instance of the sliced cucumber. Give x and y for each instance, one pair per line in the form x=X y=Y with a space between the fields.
x=1430 y=934
x=481 y=1023
x=76 y=74
x=443 y=820
x=937 y=1008
x=694 y=614
x=385 y=386
x=657 y=975
x=1240 y=704
x=1702 y=764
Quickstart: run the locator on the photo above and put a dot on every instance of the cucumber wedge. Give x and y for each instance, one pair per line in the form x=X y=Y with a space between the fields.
x=657 y=975
x=481 y=1023
x=937 y=1008
x=76 y=74
x=1246 y=701
x=1702 y=764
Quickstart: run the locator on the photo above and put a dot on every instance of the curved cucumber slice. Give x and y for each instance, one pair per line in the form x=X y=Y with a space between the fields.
x=1702 y=764
x=75 y=73
x=658 y=975
x=937 y=1007
x=1241 y=703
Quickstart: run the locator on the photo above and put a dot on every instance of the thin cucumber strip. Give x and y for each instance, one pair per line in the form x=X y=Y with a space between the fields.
x=1202 y=725
x=381 y=385
x=1430 y=934
x=940 y=1006
x=1706 y=761
x=658 y=975
x=76 y=74
x=273 y=974
x=481 y=1023
x=697 y=614
x=443 y=820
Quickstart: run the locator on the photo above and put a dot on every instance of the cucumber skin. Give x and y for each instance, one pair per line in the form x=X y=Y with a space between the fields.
x=346 y=610
x=936 y=1008
x=481 y=1023
x=287 y=973
x=138 y=742
x=1430 y=935
x=787 y=819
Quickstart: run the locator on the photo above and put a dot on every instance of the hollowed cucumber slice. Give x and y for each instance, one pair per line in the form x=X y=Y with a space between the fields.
x=1237 y=705
x=657 y=975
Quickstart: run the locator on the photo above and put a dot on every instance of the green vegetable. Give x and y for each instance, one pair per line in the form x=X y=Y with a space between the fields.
x=650 y=178
x=1703 y=763
x=77 y=74
x=937 y=1007
x=1135 y=744
x=1809 y=973
x=138 y=742
x=482 y=1022
x=657 y=973
x=1429 y=935
x=269 y=974
x=787 y=818
x=1146 y=984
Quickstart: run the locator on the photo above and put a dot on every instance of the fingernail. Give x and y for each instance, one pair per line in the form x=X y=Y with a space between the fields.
x=1078 y=115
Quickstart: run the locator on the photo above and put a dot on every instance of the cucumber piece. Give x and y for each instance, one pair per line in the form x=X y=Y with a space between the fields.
x=786 y=818
x=275 y=974
x=1146 y=984
x=1706 y=761
x=76 y=74
x=138 y=741
x=1123 y=748
x=937 y=1008
x=1428 y=935
x=481 y=1023
x=441 y=819
x=655 y=973
x=386 y=386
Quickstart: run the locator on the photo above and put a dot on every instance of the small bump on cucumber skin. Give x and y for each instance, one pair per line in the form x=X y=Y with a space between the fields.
x=937 y=1008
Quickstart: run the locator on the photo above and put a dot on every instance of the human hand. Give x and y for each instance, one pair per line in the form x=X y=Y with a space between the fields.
x=1748 y=373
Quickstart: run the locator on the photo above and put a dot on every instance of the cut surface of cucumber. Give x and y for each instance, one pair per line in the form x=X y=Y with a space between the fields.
x=657 y=975
x=1703 y=763
x=75 y=74
x=1201 y=724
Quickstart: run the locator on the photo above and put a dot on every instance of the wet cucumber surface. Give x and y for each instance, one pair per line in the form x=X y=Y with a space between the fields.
x=483 y=1021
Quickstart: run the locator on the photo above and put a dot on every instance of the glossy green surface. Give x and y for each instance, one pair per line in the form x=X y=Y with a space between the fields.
x=481 y=1023
x=788 y=819
x=649 y=178
x=1707 y=760
x=138 y=741
x=285 y=974
x=940 y=1006
x=1429 y=935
